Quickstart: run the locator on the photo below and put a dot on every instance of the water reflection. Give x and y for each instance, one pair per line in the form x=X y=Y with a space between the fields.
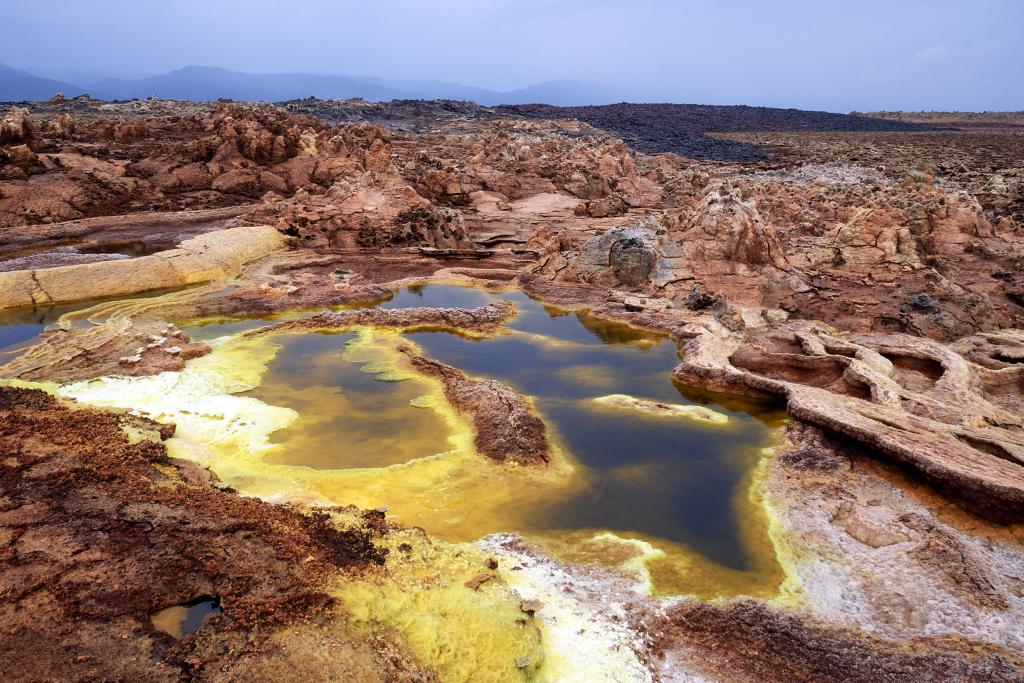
x=347 y=416
x=182 y=620
x=669 y=479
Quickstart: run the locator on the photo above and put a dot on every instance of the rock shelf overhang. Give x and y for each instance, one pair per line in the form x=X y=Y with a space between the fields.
x=953 y=431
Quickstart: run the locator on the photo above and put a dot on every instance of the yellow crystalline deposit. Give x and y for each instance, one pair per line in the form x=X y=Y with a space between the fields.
x=456 y=494
x=659 y=409
x=200 y=400
x=453 y=610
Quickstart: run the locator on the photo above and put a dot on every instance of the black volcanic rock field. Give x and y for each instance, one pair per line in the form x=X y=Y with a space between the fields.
x=647 y=128
x=681 y=128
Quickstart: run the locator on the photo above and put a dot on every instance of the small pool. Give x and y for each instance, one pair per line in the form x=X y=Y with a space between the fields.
x=20 y=326
x=347 y=416
x=179 y=621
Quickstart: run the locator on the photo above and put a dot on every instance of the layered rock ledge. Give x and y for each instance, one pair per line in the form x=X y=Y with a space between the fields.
x=212 y=256
x=483 y=320
x=914 y=400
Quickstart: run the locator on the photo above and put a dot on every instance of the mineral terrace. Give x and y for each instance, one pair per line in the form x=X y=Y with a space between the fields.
x=865 y=272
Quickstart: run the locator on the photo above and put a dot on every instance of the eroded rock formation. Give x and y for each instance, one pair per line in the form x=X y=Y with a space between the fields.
x=118 y=346
x=912 y=399
x=506 y=430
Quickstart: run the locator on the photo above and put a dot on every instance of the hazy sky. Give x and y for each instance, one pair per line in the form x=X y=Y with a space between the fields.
x=840 y=56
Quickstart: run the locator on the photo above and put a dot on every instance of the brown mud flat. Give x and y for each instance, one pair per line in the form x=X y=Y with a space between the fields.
x=100 y=531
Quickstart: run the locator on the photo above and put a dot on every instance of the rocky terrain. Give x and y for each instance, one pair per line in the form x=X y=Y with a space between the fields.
x=868 y=271
x=80 y=574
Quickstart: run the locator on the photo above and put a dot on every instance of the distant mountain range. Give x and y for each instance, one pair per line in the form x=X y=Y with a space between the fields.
x=20 y=85
x=203 y=83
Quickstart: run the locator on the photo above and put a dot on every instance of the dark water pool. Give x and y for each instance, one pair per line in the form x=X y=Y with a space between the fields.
x=669 y=478
x=666 y=478
x=637 y=475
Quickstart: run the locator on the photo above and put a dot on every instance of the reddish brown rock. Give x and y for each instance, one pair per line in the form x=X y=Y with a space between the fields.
x=16 y=127
x=98 y=532
x=909 y=394
x=119 y=346
x=911 y=399
x=481 y=320
x=507 y=430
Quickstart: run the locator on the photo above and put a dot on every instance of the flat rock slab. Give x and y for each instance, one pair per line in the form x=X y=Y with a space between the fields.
x=484 y=319
x=203 y=258
x=659 y=409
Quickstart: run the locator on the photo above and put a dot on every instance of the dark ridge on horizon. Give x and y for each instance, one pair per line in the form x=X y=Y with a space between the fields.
x=16 y=85
x=206 y=83
x=648 y=128
x=209 y=83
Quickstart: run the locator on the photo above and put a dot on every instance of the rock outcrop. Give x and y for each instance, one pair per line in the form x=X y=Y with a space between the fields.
x=506 y=430
x=102 y=529
x=661 y=409
x=119 y=346
x=888 y=259
x=16 y=127
x=879 y=298
x=207 y=257
x=913 y=400
x=483 y=320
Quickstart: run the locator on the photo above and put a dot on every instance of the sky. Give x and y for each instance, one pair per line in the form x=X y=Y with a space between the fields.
x=853 y=55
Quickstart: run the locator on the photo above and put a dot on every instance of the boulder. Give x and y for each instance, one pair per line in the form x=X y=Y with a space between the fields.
x=16 y=127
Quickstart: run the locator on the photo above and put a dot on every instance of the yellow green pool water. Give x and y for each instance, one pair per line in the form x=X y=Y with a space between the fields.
x=668 y=500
